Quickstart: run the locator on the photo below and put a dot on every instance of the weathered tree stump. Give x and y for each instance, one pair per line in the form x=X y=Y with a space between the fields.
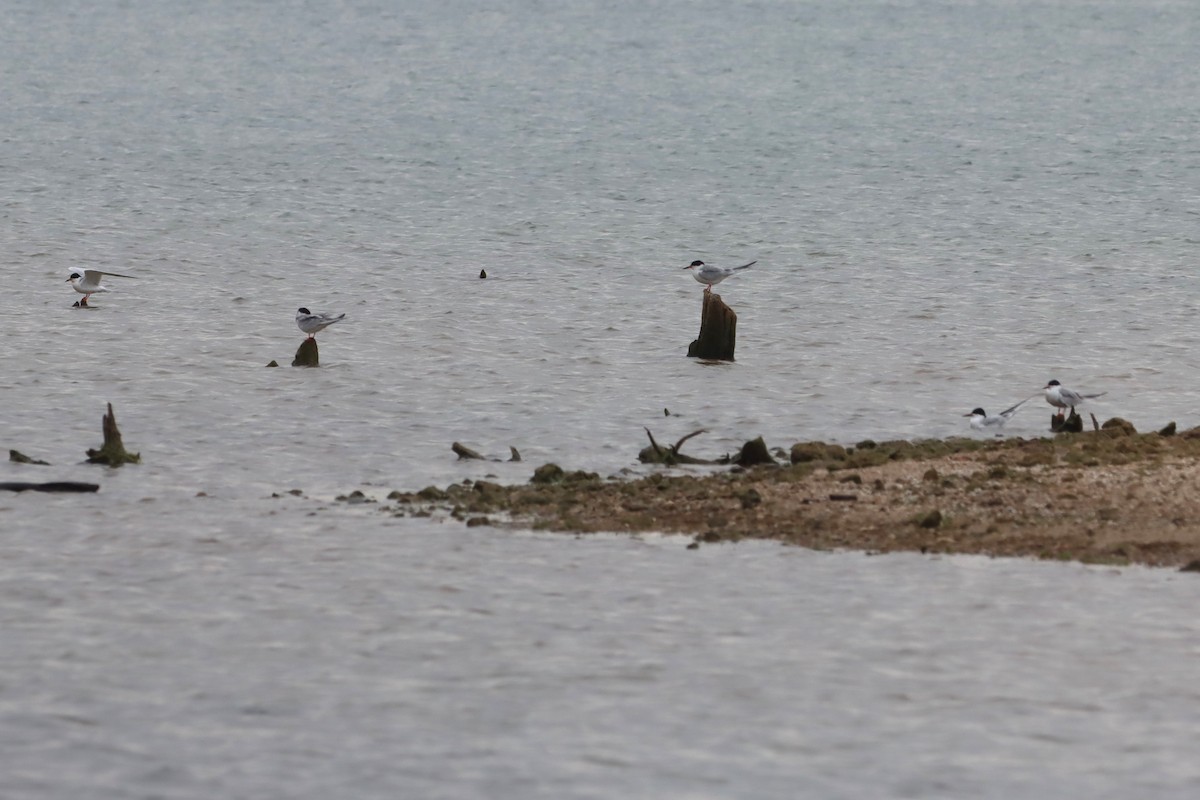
x=307 y=355
x=718 y=330
x=112 y=452
x=1068 y=424
x=754 y=452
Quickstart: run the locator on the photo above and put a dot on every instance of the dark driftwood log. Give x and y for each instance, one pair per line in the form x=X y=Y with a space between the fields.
x=53 y=486
x=718 y=330
x=307 y=355
x=112 y=452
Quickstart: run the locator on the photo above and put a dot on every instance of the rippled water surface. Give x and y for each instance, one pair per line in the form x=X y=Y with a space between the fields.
x=949 y=203
x=326 y=658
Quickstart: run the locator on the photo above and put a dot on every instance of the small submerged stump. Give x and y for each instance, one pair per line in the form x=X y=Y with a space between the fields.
x=17 y=457
x=464 y=452
x=718 y=331
x=307 y=355
x=112 y=452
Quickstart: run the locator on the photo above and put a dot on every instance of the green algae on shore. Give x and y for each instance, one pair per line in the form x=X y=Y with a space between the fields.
x=1107 y=496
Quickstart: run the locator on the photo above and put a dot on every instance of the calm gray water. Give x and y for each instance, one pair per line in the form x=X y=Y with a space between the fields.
x=950 y=203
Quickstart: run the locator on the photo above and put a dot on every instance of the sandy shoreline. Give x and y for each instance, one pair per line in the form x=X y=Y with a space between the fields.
x=1111 y=496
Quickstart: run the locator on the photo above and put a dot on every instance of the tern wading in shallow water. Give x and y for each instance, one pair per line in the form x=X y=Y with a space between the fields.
x=87 y=283
x=982 y=421
x=710 y=276
x=1062 y=398
x=310 y=323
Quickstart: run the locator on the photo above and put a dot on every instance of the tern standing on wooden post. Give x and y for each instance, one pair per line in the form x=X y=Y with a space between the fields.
x=311 y=323
x=1063 y=398
x=710 y=276
x=718 y=323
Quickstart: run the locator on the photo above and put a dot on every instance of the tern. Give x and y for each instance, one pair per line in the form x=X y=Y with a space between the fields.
x=982 y=421
x=310 y=323
x=87 y=283
x=710 y=276
x=1061 y=397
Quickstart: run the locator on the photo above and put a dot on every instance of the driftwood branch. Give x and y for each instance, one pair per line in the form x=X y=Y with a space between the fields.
x=658 y=450
x=670 y=456
x=679 y=444
x=752 y=453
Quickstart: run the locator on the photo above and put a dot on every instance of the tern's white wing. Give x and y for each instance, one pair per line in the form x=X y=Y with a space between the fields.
x=314 y=323
x=1074 y=398
x=94 y=275
x=1008 y=412
x=1069 y=397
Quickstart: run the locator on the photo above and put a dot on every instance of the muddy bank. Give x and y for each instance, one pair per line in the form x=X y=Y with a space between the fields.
x=1111 y=496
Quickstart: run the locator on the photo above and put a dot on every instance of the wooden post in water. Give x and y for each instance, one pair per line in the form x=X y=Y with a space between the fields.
x=718 y=330
x=307 y=355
